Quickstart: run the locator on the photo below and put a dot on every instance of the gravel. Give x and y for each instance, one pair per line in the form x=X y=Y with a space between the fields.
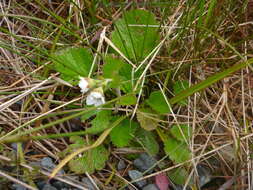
x=144 y=163
x=48 y=163
x=49 y=187
x=121 y=165
x=88 y=183
x=135 y=174
x=150 y=187
x=18 y=187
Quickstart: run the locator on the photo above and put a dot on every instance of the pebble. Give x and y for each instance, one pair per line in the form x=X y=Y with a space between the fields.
x=150 y=187
x=135 y=174
x=204 y=175
x=144 y=162
x=60 y=185
x=18 y=187
x=121 y=165
x=47 y=162
x=88 y=183
x=41 y=184
x=49 y=187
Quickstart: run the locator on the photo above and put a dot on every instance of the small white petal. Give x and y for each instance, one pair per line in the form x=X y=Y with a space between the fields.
x=95 y=98
x=83 y=84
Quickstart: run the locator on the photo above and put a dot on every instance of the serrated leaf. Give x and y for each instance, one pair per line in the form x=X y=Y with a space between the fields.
x=122 y=134
x=73 y=62
x=178 y=87
x=187 y=132
x=90 y=161
x=177 y=151
x=133 y=34
x=127 y=100
x=157 y=102
x=178 y=175
x=100 y=123
x=146 y=119
x=148 y=140
x=111 y=70
x=120 y=72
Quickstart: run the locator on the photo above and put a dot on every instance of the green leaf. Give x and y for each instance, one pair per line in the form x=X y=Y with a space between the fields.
x=187 y=132
x=178 y=175
x=73 y=62
x=133 y=35
x=101 y=122
x=123 y=133
x=146 y=119
x=90 y=160
x=177 y=151
x=148 y=141
x=178 y=87
x=127 y=100
x=157 y=102
x=111 y=70
x=120 y=72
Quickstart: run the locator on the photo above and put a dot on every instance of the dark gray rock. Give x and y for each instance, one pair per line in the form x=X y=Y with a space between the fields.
x=48 y=163
x=49 y=187
x=144 y=163
x=60 y=185
x=18 y=187
x=135 y=174
x=121 y=165
x=14 y=146
x=41 y=184
x=88 y=183
x=204 y=175
x=150 y=187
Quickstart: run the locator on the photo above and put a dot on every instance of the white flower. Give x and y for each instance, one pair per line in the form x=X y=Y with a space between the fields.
x=95 y=98
x=83 y=84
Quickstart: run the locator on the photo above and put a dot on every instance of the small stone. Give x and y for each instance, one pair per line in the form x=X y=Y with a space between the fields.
x=150 y=187
x=41 y=184
x=48 y=163
x=49 y=187
x=135 y=174
x=88 y=183
x=121 y=165
x=204 y=175
x=14 y=146
x=18 y=187
x=60 y=185
x=144 y=162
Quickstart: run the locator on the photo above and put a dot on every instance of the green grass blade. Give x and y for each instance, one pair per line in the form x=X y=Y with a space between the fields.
x=209 y=81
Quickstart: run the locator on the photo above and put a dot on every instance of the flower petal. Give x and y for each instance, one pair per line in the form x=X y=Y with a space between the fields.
x=83 y=84
x=95 y=98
